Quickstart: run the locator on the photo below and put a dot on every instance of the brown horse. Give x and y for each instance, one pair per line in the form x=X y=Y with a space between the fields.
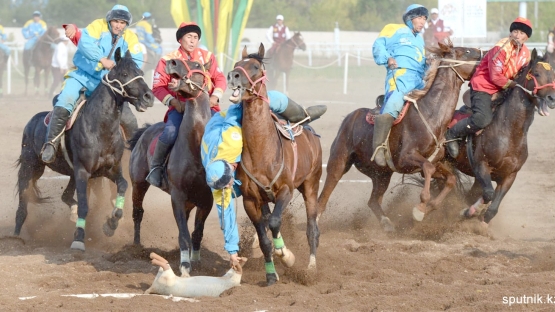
x=282 y=60
x=415 y=144
x=501 y=149
x=40 y=57
x=270 y=167
x=186 y=179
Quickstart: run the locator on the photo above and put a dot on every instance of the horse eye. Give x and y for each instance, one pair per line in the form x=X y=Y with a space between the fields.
x=468 y=51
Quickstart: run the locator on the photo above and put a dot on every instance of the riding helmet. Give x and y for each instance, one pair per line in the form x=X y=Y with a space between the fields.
x=186 y=28
x=218 y=174
x=522 y=24
x=119 y=12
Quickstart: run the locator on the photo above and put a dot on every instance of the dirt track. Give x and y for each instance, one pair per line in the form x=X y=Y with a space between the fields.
x=442 y=264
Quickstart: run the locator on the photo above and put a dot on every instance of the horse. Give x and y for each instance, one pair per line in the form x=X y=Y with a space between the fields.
x=415 y=144
x=270 y=169
x=40 y=57
x=93 y=146
x=282 y=60
x=501 y=149
x=186 y=178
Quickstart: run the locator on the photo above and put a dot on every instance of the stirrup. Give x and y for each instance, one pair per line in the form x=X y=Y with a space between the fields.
x=46 y=144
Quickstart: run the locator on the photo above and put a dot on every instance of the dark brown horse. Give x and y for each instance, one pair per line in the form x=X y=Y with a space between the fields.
x=501 y=149
x=415 y=144
x=270 y=168
x=186 y=179
x=94 y=146
x=40 y=57
x=282 y=60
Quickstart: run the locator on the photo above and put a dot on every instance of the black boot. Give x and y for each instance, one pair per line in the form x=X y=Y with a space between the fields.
x=157 y=164
x=295 y=112
x=56 y=126
x=382 y=125
x=460 y=130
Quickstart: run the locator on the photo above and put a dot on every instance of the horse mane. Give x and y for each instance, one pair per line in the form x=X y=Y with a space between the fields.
x=430 y=77
x=257 y=57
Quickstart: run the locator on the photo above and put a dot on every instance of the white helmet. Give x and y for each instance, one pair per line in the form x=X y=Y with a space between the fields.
x=434 y=10
x=279 y=17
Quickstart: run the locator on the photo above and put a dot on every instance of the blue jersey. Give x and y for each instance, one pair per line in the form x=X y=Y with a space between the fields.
x=144 y=33
x=33 y=29
x=398 y=41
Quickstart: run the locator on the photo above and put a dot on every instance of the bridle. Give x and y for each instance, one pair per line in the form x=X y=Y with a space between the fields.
x=121 y=91
x=537 y=87
x=262 y=81
x=294 y=42
x=193 y=85
x=457 y=63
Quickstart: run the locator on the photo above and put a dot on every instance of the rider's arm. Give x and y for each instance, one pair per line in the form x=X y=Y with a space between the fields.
x=270 y=34
x=26 y=31
x=89 y=39
x=160 y=83
x=287 y=33
x=77 y=35
x=217 y=77
x=495 y=67
x=379 y=49
x=230 y=230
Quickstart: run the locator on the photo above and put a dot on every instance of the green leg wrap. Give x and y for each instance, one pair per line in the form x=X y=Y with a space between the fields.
x=80 y=223
x=196 y=255
x=270 y=268
x=278 y=243
x=120 y=200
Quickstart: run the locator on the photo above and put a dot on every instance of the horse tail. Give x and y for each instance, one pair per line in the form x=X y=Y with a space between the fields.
x=21 y=176
x=137 y=135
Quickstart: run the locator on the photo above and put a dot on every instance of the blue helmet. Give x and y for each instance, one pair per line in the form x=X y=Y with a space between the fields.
x=37 y=13
x=218 y=174
x=119 y=12
x=413 y=11
x=147 y=15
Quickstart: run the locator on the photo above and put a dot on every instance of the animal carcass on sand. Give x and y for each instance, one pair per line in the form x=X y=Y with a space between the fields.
x=167 y=283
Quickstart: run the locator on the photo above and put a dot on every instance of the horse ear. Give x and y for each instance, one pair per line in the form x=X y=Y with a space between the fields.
x=261 y=50
x=244 y=54
x=534 y=54
x=128 y=54
x=207 y=66
x=117 y=55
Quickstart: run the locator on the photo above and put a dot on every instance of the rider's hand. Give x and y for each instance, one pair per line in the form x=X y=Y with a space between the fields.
x=70 y=31
x=214 y=101
x=179 y=106
x=512 y=84
x=106 y=63
x=391 y=63
x=234 y=261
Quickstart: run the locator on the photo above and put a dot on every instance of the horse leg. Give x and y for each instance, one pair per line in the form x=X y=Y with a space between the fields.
x=483 y=179
x=67 y=197
x=339 y=163
x=181 y=208
x=380 y=183
x=138 y=195
x=309 y=189
x=203 y=210
x=111 y=224
x=255 y=215
x=443 y=171
x=428 y=169
x=283 y=197
x=82 y=180
x=36 y=80
x=30 y=170
x=500 y=192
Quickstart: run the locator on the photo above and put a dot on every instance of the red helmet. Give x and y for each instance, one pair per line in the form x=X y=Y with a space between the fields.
x=522 y=24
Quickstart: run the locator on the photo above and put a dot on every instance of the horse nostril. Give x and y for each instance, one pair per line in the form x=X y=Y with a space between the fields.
x=146 y=97
x=236 y=76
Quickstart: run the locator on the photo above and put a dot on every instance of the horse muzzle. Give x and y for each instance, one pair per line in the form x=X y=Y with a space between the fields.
x=144 y=102
x=236 y=95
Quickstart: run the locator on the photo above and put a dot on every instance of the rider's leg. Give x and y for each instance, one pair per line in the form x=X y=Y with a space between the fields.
x=480 y=118
x=62 y=110
x=163 y=147
x=292 y=111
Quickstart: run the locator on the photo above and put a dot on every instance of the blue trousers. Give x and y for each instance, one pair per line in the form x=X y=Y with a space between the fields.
x=30 y=43
x=398 y=83
x=70 y=92
x=169 y=135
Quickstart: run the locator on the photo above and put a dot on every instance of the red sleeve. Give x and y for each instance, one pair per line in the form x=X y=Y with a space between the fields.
x=77 y=36
x=495 y=67
x=219 y=82
x=160 y=83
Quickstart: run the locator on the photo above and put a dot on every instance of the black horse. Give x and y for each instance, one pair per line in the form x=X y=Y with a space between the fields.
x=94 y=146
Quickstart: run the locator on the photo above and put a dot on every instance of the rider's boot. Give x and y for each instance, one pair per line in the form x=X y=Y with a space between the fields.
x=157 y=164
x=296 y=113
x=460 y=130
x=56 y=126
x=382 y=126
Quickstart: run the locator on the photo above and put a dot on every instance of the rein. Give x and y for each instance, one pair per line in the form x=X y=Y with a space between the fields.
x=457 y=63
x=106 y=81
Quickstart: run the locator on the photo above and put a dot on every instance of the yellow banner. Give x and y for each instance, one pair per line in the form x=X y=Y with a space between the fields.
x=207 y=24
x=224 y=26
x=180 y=12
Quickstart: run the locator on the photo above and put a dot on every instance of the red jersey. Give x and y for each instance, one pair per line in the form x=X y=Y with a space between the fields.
x=499 y=66
x=161 y=79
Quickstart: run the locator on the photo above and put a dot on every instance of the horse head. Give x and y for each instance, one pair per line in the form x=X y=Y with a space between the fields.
x=298 y=41
x=51 y=35
x=461 y=59
x=126 y=79
x=190 y=78
x=540 y=83
x=248 y=77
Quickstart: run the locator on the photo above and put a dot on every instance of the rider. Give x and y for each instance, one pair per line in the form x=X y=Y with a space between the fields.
x=32 y=30
x=222 y=144
x=495 y=72
x=144 y=32
x=401 y=49
x=435 y=29
x=277 y=34
x=93 y=59
x=188 y=36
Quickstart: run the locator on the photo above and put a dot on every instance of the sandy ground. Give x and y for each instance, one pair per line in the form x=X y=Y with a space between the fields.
x=442 y=264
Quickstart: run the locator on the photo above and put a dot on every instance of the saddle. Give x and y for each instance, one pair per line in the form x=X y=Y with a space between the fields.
x=287 y=131
x=373 y=112
x=81 y=100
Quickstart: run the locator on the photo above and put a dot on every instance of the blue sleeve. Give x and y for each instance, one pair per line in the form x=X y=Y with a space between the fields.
x=25 y=32
x=230 y=229
x=379 y=50
x=4 y=37
x=41 y=30
x=89 y=47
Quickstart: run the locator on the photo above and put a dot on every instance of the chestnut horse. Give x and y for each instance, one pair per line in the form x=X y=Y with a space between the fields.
x=186 y=179
x=282 y=60
x=415 y=144
x=40 y=57
x=270 y=167
x=501 y=149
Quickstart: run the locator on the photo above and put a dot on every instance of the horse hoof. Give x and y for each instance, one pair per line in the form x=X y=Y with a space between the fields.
x=417 y=214
x=73 y=215
x=287 y=257
x=108 y=229
x=185 y=269
x=312 y=263
x=271 y=278
x=78 y=245
x=467 y=213
x=387 y=225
